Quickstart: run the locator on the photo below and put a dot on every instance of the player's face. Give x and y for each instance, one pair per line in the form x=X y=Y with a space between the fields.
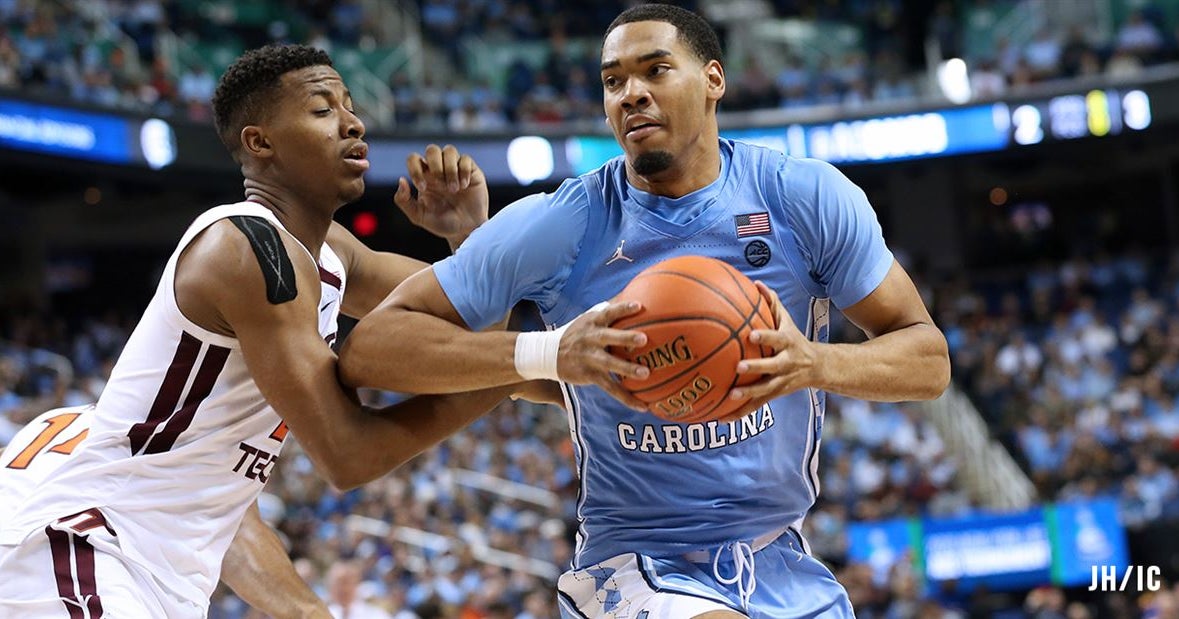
x=658 y=95
x=317 y=139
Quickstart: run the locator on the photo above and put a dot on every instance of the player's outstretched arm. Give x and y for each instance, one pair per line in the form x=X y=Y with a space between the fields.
x=905 y=357
x=417 y=342
x=257 y=568
x=220 y=285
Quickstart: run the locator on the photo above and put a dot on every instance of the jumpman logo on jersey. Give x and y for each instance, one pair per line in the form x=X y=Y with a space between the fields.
x=618 y=254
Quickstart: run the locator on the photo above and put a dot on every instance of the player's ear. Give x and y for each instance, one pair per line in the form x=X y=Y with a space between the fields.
x=714 y=75
x=255 y=142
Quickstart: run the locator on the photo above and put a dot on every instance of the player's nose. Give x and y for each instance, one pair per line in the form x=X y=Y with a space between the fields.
x=351 y=125
x=635 y=95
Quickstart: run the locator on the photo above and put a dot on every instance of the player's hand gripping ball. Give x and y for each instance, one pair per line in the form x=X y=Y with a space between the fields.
x=697 y=313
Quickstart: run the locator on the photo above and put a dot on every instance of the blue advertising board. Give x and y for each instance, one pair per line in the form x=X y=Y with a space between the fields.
x=1058 y=544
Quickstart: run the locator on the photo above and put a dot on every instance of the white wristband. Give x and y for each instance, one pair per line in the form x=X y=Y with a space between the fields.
x=536 y=353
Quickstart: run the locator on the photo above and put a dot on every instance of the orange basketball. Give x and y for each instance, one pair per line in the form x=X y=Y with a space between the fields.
x=697 y=314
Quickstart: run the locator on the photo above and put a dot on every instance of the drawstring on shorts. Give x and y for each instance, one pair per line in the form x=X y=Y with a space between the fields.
x=743 y=565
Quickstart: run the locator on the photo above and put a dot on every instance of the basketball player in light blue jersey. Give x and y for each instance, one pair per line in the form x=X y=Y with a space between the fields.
x=676 y=520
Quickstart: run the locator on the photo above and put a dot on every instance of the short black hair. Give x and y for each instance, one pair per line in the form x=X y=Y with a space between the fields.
x=249 y=83
x=691 y=28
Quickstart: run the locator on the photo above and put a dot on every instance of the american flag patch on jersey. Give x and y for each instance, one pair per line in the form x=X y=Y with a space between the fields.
x=754 y=224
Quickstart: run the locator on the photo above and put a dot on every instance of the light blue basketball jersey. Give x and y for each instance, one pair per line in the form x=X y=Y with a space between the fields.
x=647 y=485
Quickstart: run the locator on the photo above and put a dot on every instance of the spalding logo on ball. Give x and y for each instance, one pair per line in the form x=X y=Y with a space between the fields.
x=697 y=313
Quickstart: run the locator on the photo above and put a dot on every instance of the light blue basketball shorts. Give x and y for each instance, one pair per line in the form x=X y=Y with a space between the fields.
x=777 y=581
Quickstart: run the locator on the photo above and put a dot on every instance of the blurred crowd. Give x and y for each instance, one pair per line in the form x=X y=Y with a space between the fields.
x=1073 y=364
x=1077 y=369
x=110 y=53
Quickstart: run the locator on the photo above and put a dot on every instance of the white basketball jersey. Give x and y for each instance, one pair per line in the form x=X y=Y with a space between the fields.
x=37 y=450
x=181 y=440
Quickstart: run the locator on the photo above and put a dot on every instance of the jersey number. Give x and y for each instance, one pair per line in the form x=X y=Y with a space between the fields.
x=53 y=426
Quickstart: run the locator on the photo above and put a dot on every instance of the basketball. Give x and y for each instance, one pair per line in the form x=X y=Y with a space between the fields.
x=697 y=314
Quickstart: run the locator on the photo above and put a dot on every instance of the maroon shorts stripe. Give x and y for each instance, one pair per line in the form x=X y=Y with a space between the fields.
x=202 y=386
x=329 y=278
x=87 y=585
x=169 y=394
x=63 y=570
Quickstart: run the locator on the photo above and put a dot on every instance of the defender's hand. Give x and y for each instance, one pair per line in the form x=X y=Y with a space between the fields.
x=790 y=368
x=583 y=357
x=452 y=195
x=540 y=392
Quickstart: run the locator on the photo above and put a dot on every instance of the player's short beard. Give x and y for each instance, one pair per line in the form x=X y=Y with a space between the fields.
x=653 y=162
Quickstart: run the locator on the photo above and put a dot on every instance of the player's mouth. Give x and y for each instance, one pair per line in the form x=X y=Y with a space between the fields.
x=356 y=157
x=640 y=127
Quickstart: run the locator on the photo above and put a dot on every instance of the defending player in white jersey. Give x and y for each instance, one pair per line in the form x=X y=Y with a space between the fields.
x=232 y=351
x=256 y=566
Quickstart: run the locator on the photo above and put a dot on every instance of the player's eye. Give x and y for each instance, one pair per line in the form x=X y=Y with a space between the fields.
x=323 y=111
x=610 y=82
x=658 y=69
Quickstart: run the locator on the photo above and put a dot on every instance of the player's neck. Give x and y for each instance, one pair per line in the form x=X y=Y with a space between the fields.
x=308 y=224
x=691 y=171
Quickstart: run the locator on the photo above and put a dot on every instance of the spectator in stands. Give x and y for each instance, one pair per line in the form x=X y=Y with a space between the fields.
x=891 y=83
x=1123 y=65
x=346 y=19
x=1042 y=54
x=196 y=92
x=10 y=62
x=753 y=88
x=986 y=81
x=793 y=82
x=1020 y=359
x=1139 y=37
x=344 y=599
x=1073 y=53
x=142 y=20
x=943 y=27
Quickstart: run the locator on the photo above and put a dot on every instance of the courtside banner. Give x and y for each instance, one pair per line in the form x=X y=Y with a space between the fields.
x=1058 y=544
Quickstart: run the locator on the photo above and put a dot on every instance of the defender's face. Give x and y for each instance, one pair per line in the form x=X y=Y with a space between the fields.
x=316 y=136
x=658 y=94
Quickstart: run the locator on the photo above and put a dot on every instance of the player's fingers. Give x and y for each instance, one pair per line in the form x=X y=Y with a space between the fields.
x=477 y=177
x=450 y=162
x=620 y=337
x=404 y=199
x=777 y=340
x=466 y=169
x=613 y=311
x=769 y=365
x=435 y=166
x=770 y=387
x=619 y=366
x=415 y=165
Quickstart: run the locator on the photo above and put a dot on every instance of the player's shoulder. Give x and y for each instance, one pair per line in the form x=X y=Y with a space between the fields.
x=803 y=178
x=238 y=254
x=567 y=203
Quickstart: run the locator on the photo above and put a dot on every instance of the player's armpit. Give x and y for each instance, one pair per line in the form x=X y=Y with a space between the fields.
x=372 y=275
x=257 y=568
x=906 y=358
